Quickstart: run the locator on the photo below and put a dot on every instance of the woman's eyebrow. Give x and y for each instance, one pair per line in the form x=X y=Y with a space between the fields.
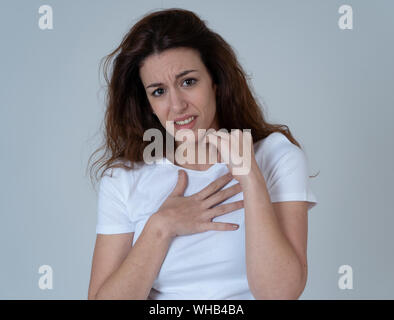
x=157 y=84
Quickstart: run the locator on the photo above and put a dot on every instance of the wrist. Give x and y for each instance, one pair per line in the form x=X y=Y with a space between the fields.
x=160 y=226
x=252 y=178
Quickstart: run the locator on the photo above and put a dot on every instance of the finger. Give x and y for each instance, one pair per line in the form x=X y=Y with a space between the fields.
x=220 y=226
x=222 y=135
x=222 y=144
x=181 y=184
x=214 y=186
x=225 y=208
x=212 y=140
x=222 y=195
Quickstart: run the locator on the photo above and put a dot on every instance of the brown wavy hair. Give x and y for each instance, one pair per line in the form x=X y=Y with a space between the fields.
x=128 y=112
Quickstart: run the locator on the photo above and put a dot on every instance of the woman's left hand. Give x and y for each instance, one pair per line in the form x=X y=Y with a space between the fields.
x=236 y=150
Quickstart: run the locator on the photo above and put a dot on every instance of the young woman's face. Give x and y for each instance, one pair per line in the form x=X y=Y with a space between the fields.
x=177 y=93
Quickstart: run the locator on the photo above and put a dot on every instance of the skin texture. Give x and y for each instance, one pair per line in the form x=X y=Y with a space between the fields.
x=175 y=98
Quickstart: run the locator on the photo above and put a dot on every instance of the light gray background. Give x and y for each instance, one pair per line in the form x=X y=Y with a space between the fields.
x=332 y=87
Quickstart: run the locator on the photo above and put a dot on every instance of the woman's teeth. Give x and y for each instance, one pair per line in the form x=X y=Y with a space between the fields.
x=185 y=121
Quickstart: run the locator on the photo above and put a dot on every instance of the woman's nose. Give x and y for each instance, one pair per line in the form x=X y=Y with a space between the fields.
x=177 y=102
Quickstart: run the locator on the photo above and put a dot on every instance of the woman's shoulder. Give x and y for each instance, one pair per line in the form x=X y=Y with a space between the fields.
x=274 y=145
x=124 y=171
x=277 y=155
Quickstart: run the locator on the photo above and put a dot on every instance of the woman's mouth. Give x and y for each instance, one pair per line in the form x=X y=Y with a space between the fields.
x=185 y=124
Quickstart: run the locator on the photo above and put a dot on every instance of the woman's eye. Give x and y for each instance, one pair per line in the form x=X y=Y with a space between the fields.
x=190 y=79
x=186 y=80
x=153 y=93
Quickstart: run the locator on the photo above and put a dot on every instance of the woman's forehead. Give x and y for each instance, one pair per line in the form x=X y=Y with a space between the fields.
x=173 y=59
x=172 y=65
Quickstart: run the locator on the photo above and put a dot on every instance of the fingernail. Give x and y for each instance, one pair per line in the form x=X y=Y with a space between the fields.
x=235 y=226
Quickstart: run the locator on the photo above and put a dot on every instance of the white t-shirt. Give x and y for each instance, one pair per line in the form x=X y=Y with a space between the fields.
x=208 y=265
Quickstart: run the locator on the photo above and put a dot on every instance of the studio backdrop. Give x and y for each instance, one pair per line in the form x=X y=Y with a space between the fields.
x=323 y=68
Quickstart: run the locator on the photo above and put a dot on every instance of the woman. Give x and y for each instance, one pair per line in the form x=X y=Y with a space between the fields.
x=165 y=230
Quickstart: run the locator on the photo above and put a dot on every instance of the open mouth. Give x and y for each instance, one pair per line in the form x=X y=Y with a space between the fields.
x=185 y=124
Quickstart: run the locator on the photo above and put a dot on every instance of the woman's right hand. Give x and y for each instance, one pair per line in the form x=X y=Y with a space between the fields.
x=181 y=215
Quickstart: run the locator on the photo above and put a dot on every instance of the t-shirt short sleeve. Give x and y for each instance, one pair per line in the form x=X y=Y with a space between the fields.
x=112 y=214
x=287 y=171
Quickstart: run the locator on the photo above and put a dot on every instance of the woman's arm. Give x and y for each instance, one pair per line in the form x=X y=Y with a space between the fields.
x=275 y=239
x=134 y=278
x=274 y=269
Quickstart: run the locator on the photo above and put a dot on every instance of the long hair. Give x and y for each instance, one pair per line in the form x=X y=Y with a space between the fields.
x=128 y=112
